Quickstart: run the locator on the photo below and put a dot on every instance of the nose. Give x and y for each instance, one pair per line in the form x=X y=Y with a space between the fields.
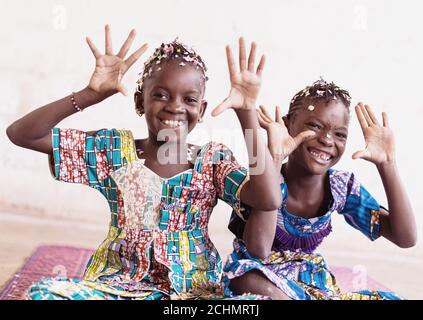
x=326 y=138
x=175 y=106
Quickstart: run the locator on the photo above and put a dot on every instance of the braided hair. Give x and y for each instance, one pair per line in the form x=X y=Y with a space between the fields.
x=319 y=90
x=174 y=50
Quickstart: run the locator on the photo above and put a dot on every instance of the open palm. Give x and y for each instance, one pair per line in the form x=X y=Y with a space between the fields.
x=379 y=138
x=281 y=143
x=110 y=68
x=245 y=83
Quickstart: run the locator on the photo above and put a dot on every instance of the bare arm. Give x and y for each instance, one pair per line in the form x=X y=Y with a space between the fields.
x=398 y=223
x=259 y=232
x=260 y=227
x=33 y=131
x=261 y=191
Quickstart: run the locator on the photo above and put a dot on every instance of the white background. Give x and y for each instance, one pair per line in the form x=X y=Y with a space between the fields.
x=372 y=48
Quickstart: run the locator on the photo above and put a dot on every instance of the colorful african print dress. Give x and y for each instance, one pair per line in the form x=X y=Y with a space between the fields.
x=157 y=246
x=294 y=266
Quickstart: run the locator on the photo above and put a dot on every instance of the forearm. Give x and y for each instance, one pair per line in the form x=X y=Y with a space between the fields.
x=402 y=225
x=263 y=191
x=259 y=232
x=38 y=124
x=278 y=160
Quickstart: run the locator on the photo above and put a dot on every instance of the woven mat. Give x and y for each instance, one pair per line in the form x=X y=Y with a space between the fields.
x=70 y=262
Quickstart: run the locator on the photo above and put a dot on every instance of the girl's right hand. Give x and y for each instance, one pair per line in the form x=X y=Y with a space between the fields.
x=280 y=142
x=110 y=68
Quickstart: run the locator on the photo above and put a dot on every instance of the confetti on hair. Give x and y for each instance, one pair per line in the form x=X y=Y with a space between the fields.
x=170 y=51
x=320 y=89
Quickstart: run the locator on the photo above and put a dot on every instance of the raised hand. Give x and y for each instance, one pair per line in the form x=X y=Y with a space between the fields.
x=281 y=143
x=245 y=83
x=110 y=68
x=379 y=138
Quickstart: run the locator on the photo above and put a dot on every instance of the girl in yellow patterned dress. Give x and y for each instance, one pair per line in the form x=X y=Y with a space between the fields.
x=160 y=190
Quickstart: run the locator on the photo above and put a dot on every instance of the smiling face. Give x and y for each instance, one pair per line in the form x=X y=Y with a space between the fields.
x=330 y=122
x=172 y=99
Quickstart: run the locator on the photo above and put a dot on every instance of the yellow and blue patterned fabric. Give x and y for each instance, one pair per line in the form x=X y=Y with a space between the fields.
x=158 y=245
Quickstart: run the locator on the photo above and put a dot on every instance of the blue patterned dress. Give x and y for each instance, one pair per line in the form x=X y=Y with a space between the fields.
x=294 y=266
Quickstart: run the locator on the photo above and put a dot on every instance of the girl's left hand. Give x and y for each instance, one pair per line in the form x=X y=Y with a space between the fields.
x=281 y=144
x=379 y=138
x=245 y=83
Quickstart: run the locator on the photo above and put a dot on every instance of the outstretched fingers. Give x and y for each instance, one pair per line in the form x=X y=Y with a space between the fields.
x=136 y=55
x=122 y=90
x=361 y=118
x=385 y=119
x=264 y=123
x=108 y=35
x=93 y=48
x=252 y=57
x=265 y=113
x=304 y=136
x=261 y=65
x=261 y=111
x=242 y=55
x=127 y=44
x=371 y=115
x=231 y=62
x=278 y=115
x=226 y=104
x=362 y=154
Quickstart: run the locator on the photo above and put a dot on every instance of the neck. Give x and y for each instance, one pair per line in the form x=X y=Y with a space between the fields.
x=176 y=150
x=301 y=181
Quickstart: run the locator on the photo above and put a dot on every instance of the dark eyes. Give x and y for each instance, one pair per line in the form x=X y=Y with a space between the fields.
x=160 y=95
x=341 y=135
x=191 y=100
x=316 y=126
x=164 y=96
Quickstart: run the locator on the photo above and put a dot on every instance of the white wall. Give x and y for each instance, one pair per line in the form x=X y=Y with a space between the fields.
x=372 y=48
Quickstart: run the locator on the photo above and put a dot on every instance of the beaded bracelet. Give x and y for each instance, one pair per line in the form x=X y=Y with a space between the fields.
x=74 y=104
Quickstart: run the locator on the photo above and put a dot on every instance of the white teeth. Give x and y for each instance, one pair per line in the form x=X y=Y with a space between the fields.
x=321 y=155
x=172 y=123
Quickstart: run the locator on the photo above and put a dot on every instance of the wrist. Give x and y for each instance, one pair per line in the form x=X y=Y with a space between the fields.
x=278 y=162
x=88 y=97
x=387 y=166
x=247 y=118
x=246 y=111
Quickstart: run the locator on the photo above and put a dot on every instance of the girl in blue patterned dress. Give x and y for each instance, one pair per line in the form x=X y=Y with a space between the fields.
x=161 y=192
x=275 y=252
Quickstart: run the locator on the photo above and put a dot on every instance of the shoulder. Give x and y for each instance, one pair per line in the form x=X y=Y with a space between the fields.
x=216 y=152
x=344 y=181
x=343 y=186
x=110 y=133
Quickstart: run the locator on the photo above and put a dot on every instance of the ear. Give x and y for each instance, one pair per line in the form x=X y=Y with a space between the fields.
x=138 y=99
x=203 y=108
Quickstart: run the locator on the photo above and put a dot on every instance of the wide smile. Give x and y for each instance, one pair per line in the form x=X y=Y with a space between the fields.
x=320 y=156
x=172 y=123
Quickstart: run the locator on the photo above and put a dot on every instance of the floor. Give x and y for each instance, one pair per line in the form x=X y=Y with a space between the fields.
x=397 y=269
